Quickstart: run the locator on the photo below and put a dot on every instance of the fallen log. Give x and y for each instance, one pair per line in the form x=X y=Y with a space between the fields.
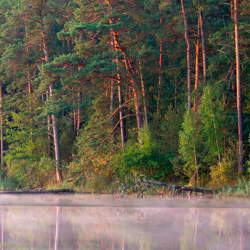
x=145 y=185
x=51 y=191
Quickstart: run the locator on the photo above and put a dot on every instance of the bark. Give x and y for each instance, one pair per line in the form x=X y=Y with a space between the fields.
x=56 y=142
x=160 y=75
x=121 y=113
x=112 y=97
x=74 y=113
x=132 y=75
x=197 y=64
x=203 y=50
x=144 y=95
x=78 y=114
x=49 y=130
x=120 y=98
x=238 y=82
x=1 y=123
x=188 y=54
x=54 y=117
x=51 y=191
x=112 y=107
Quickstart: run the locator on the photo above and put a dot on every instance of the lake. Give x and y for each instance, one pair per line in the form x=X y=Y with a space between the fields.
x=104 y=222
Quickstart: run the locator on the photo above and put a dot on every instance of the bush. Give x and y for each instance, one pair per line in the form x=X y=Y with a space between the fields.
x=221 y=174
x=142 y=157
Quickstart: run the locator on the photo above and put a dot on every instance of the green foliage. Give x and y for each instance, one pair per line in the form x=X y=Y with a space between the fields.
x=67 y=45
x=212 y=117
x=142 y=157
x=190 y=141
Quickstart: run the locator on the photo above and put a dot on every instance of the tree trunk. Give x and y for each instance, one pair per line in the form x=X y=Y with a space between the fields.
x=121 y=112
x=188 y=54
x=54 y=117
x=112 y=108
x=197 y=57
x=160 y=74
x=197 y=64
x=56 y=142
x=132 y=74
x=120 y=98
x=238 y=81
x=49 y=130
x=78 y=114
x=144 y=95
x=203 y=50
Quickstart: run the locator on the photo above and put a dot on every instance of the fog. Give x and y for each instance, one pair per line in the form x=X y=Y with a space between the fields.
x=105 y=222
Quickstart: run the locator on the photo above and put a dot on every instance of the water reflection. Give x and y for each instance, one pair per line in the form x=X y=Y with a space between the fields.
x=52 y=223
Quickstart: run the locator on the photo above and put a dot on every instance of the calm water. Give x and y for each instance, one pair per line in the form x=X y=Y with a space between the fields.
x=104 y=222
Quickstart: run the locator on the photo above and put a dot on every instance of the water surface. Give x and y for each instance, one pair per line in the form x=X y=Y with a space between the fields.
x=105 y=222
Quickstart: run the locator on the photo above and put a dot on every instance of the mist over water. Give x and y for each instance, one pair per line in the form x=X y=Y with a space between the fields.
x=105 y=222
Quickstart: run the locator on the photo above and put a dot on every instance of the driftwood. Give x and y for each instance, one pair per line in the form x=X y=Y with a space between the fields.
x=51 y=191
x=145 y=185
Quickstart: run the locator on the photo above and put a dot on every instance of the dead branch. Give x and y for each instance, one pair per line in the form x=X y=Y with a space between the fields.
x=118 y=109
x=113 y=130
x=150 y=184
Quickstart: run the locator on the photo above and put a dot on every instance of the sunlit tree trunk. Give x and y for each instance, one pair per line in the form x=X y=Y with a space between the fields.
x=238 y=82
x=203 y=50
x=120 y=98
x=197 y=57
x=188 y=54
x=132 y=74
x=197 y=63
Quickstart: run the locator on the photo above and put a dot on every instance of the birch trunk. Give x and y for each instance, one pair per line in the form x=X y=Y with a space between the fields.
x=122 y=121
x=121 y=112
x=238 y=82
x=188 y=54
x=144 y=95
x=54 y=117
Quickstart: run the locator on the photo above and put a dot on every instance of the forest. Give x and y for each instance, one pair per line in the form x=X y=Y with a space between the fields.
x=99 y=92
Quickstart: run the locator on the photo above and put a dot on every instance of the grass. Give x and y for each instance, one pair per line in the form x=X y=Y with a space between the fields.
x=240 y=189
x=7 y=184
